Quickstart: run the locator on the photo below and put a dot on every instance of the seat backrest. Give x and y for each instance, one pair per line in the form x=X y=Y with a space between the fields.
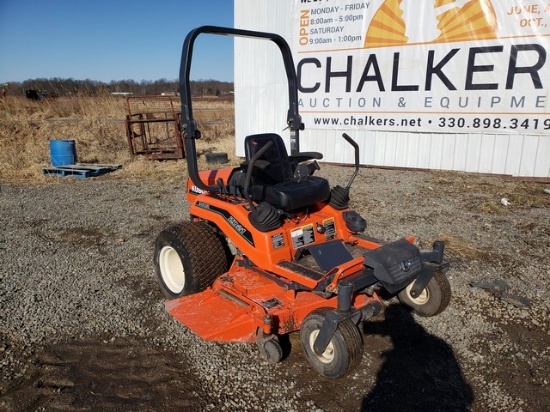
x=273 y=180
x=279 y=169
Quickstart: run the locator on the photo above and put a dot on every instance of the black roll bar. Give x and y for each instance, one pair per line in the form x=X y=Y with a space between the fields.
x=189 y=126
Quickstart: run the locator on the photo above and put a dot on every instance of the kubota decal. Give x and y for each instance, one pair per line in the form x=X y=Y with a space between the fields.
x=195 y=190
x=240 y=229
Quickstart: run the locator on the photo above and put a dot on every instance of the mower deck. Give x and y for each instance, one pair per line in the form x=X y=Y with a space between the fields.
x=238 y=303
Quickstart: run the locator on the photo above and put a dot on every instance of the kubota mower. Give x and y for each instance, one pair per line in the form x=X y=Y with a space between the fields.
x=271 y=249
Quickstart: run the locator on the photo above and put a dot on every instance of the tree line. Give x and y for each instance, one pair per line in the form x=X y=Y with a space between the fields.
x=68 y=87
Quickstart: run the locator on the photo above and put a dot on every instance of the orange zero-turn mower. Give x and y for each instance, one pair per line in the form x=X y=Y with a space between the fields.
x=271 y=249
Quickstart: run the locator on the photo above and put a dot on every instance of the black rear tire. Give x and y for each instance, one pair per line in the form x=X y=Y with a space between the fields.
x=345 y=349
x=433 y=300
x=188 y=257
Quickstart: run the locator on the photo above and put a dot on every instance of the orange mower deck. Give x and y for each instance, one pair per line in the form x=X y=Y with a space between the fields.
x=237 y=305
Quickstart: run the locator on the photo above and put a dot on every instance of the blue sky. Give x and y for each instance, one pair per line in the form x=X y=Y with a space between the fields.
x=111 y=40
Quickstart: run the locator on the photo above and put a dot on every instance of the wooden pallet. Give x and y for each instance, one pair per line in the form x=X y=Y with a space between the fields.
x=80 y=170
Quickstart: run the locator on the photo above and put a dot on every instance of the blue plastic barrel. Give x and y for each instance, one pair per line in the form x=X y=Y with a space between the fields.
x=62 y=152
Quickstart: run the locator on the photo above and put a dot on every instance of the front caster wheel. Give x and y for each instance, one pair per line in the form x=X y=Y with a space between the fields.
x=433 y=300
x=269 y=347
x=344 y=351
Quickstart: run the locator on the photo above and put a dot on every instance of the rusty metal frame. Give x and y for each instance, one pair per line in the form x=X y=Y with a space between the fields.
x=153 y=127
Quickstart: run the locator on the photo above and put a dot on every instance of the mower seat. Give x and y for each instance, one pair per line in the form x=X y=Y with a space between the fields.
x=273 y=180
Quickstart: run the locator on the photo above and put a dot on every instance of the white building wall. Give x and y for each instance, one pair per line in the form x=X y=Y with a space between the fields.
x=261 y=103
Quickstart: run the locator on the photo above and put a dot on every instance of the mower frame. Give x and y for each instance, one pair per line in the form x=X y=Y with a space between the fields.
x=248 y=267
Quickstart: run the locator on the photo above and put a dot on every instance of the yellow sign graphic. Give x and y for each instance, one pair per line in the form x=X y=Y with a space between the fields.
x=399 y=22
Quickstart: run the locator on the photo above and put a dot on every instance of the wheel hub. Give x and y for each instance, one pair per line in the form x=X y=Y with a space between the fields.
x=422 y=297
x=328 y=354
x=171 y=269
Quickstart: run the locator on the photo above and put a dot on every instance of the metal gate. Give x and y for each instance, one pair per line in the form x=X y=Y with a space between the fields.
x=153 y=127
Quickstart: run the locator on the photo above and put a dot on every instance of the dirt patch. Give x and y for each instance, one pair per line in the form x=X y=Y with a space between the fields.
x=116 y=374
x=527 y=371
x=83 y=236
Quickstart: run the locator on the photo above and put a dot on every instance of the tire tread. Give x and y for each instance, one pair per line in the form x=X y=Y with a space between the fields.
x=208 y=256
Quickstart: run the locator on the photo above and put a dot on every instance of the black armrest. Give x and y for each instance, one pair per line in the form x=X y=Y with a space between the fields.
x=303 y=156
x=260 y=164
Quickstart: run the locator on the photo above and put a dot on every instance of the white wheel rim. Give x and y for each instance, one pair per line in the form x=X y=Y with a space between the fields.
x=328 y=354
x=421 y=299
x=171 y=269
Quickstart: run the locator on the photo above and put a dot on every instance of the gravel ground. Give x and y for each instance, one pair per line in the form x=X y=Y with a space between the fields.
x=83 y=326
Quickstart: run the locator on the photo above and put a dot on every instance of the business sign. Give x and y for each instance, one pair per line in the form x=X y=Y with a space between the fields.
x=423 y=65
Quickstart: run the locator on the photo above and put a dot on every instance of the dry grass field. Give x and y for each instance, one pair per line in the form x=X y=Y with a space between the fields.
x=96 y=123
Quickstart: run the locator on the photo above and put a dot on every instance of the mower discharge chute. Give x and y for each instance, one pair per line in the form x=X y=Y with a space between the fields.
x=271 y=249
